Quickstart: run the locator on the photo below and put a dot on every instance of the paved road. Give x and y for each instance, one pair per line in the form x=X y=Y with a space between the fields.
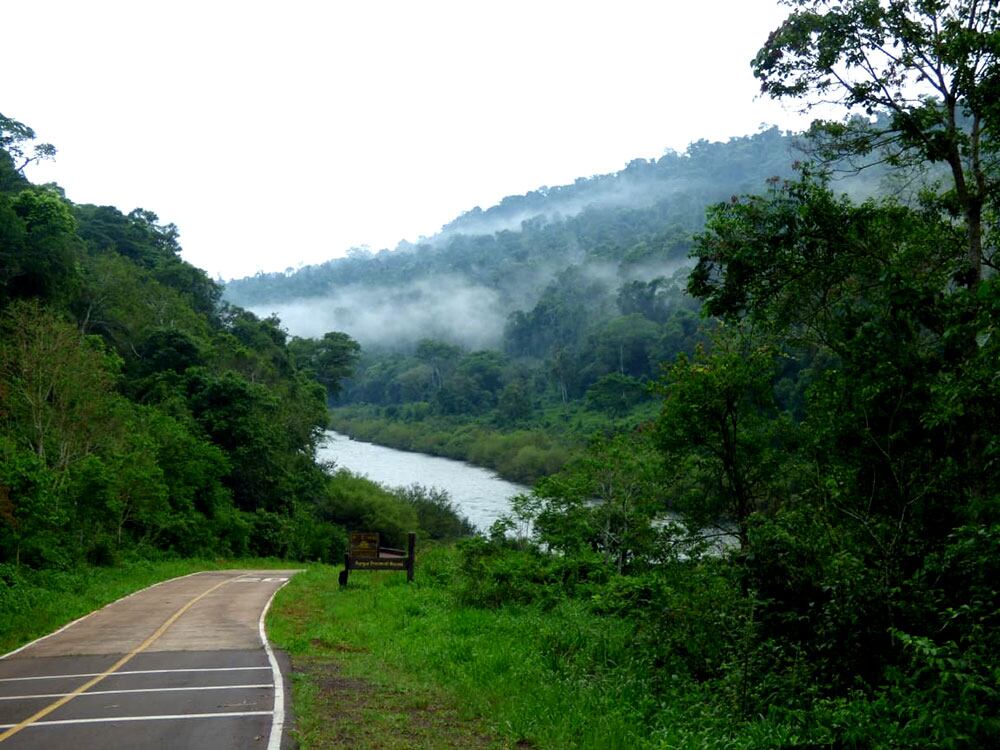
x=183 y=664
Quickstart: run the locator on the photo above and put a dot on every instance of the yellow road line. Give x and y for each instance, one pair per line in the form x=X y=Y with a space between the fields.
x=114 y=667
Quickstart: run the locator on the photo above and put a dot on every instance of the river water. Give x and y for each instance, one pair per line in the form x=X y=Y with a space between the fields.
x=479 y=494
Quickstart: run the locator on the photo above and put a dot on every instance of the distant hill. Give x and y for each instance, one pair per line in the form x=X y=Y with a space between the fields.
x=462 y=284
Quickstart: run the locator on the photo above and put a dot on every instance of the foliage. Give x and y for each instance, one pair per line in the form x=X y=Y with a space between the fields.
x=437 y=515
x=719 y=430
x=604 y=502
x=138 y=414
x=328 y=360
x=928 y=70
x=15 y=137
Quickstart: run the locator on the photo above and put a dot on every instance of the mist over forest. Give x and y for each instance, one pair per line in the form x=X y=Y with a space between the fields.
x=462 y=284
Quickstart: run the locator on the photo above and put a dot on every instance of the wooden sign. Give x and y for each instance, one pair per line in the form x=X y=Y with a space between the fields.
x=364 y=544
x=367 y=554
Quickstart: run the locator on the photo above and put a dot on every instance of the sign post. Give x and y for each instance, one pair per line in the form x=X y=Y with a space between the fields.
x=366 y=553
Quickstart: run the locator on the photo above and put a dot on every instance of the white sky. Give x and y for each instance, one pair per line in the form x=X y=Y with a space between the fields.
x=275 y=134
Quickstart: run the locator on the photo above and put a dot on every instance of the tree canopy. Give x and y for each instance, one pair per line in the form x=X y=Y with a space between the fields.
x=924 y=73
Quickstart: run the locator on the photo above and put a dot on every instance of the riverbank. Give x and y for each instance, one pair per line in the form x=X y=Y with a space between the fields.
x=476 y=493
x=524 y=454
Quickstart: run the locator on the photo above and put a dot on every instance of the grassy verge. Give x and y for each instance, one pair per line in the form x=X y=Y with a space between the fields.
x=349 y=689
x=36 y=602
x=383 y=664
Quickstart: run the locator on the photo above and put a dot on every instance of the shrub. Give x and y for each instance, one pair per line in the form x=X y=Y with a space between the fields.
x=358 y=504
x=436 y=514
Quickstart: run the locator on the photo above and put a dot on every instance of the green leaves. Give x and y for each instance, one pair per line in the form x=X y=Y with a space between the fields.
x=329 y=360
x=926 y=73
x=210 y=407
x=721 y=432
x=14 y=138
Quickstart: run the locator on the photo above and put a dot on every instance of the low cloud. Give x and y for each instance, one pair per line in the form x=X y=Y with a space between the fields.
x=449 y=308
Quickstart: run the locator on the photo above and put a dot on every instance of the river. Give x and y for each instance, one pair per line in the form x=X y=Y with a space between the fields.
x=479 y=494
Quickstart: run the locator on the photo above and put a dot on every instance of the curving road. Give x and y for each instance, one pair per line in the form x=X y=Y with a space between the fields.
x=182 y=664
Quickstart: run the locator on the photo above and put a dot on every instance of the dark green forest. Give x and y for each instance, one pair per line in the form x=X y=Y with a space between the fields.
x=141 y=414
x=756 y=387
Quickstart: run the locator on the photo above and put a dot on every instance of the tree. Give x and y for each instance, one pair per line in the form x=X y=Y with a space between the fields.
x=719 y=429
x=890 y=471
x=651 y=299
x=514 y=403
x=30 y=515
x=615 y=393
x=562 y=368
x=926 y=68
x=38 y=254
x=623 y=345
x=58 y=384
x=810 y=265
x=15 y=136
x=329 y=360
x=605 y=501
x=440 y=356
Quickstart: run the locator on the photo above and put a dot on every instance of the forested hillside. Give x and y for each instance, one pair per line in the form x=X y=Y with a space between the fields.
x=462 y=284
x=141 y=415
x=515 y=333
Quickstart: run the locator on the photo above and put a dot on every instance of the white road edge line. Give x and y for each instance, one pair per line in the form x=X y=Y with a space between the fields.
x=120 y=599
x=133 y=671
x=135 y=690
x=278 y=712
x=164 y=717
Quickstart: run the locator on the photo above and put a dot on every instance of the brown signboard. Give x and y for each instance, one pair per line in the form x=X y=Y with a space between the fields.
x=366 y=554
x=364 y=544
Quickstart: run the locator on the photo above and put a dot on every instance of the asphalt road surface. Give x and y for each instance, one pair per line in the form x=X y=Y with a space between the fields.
x=183 y=664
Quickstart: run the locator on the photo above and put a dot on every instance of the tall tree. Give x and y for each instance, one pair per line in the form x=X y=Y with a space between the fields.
x=329 y=360
x=926 y=68
x=58 y=386
x=720 y=429
x=14 y=139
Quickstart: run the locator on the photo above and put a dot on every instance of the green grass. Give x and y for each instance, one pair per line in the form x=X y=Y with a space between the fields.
x=347 y=689
x=36 y=602
x=383 y=664
x=509 y=677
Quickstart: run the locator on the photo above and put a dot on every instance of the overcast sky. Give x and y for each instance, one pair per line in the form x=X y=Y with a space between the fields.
x=276 y=134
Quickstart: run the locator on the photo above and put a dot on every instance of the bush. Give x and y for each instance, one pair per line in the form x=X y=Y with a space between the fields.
x=358 y=504
x=316 y=541
x=494 y=575
x=437 y=516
